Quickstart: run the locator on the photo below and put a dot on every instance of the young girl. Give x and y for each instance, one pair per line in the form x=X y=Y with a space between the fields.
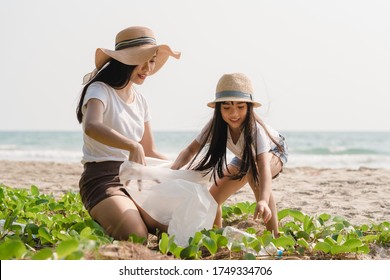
x=116 y=124
x=260 y=151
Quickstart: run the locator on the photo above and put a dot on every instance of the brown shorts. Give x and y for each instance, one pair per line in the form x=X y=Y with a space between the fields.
x=99 y=181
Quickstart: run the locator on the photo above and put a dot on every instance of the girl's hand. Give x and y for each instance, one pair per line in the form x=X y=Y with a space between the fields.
x=262 y=210
x=138 y=154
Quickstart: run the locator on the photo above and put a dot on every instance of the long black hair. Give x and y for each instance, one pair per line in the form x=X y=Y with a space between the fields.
x=115 y=74
x=215 y=136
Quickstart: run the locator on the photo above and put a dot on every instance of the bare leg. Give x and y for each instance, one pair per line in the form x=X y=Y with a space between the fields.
x=223 y=190
x=120 y=217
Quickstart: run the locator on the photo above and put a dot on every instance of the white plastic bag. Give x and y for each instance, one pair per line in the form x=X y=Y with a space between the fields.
x=177 y=198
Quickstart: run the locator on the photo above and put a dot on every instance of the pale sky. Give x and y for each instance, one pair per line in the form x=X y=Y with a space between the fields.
x=315 y=65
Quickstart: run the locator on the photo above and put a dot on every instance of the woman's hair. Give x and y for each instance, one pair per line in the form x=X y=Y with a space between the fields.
x=115 y=74
x=214 y=159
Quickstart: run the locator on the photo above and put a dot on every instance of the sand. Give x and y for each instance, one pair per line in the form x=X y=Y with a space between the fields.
x=361 y=196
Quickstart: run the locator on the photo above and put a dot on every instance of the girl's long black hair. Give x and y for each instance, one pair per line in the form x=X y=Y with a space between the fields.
x=115 y=74
x=214 y=159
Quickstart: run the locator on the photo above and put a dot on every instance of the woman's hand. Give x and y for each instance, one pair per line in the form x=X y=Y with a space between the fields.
x=262 y=211
x=137 y=154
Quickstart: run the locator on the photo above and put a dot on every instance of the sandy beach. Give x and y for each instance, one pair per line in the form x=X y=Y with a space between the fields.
x=361 y=196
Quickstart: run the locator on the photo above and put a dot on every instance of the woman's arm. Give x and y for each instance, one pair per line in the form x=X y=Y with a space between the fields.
x=186 y=155
x=147 y=143
x=94 y=128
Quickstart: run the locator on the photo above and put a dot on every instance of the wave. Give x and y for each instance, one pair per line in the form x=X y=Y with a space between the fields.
x=337 y=151
x=41 y=155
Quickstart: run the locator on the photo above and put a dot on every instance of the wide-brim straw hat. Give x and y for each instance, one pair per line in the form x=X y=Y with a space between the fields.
x=133 y=46
x=234 y=87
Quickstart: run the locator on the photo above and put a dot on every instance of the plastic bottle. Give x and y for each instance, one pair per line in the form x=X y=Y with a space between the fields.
x=270 y=250
x=235 y=239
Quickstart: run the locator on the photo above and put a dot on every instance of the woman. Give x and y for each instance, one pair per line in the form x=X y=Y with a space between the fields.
x=116 y=124
x=260 y=151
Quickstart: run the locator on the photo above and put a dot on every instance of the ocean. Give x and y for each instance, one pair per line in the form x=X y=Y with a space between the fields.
x=306 y=149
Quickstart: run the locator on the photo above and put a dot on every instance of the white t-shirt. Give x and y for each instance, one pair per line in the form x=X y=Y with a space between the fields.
x=263 y=142
x=127 y=119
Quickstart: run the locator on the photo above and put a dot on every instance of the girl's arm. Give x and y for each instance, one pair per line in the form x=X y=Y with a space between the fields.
x=94 y=128
x=147 y=143
x=186 y=155
x=264 y=187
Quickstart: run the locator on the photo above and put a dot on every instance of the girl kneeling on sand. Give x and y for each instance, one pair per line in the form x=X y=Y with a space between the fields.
x=260 y=151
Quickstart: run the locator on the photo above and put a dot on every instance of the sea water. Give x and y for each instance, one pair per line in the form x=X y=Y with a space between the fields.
x=313 y=149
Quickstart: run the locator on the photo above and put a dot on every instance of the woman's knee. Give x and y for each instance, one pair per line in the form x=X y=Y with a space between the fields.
x=120 y=218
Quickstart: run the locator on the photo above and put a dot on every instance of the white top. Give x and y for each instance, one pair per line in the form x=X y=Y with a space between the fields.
x=264 y=143
x=127 y=119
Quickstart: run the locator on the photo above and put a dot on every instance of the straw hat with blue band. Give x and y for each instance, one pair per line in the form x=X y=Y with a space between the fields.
x=234 y=87
x=133 y=46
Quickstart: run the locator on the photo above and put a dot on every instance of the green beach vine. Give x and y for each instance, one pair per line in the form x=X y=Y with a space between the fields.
x=38 y=226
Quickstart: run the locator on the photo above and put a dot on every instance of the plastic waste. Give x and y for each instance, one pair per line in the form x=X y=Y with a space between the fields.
x=177 y=198
x=270 y=250
x=2 y=223
x=235 y=239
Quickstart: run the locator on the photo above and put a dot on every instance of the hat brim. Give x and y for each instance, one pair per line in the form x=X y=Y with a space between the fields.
x=226 y=99
x=136 y=55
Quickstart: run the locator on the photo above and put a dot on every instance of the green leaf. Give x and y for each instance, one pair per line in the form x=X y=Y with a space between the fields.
x=370 y=238
x=1 y=194
x=283 y=213
x=363 y=249
x=293 y=226
x=298 y=215
x=338 y=219
x=163 y=243
x=237 y=211
x=45 y=235
x=136 y=239
x=86 y=232
x=196 y=239
x=284 y=241
x=303 y=234
x=190 y=252
x=322 y=246
x=339 y=249
x=303 y=243
x=177 y=251
x=210 y=244
x=41 y=201
x=249 y=256
x=44 y=254
x=222 y=241
x=353 y=243
x=12 y=249
x=265 y=239
x=251 y=230
x=32 y=228
x=76 y=255
x=330 y=241
x=254 y=244
x=339 y=226
x=34 y=190
x=324 y=217
x=67 y=247
x=308 y=225
x=364 y=227
x=340 y=239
